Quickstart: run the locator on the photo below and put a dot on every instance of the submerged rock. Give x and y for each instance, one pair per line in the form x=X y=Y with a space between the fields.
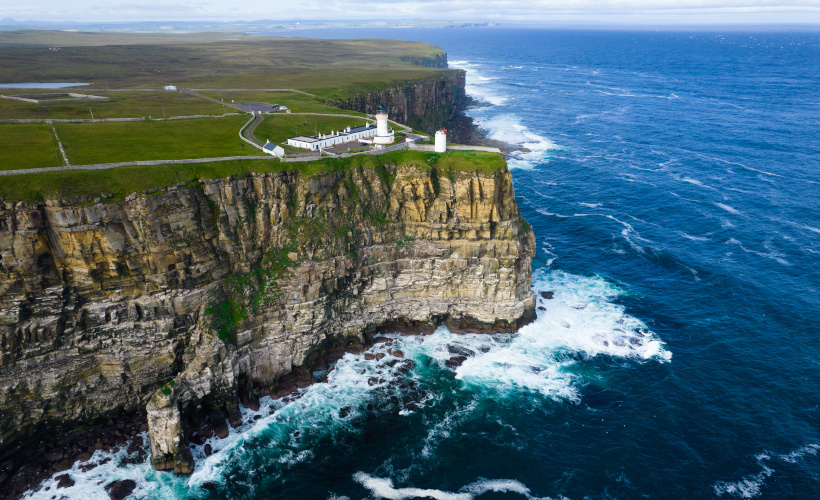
x=118 y=490
x=456 y=361
x=64 y=481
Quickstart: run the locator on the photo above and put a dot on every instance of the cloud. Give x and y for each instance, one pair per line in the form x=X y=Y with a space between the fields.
x=806 y=11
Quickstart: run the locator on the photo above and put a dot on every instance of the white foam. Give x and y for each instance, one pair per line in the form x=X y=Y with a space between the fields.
x=506 y=128
x=770 y=254
x=90 y=484
x=498 y=486
x=476 y=84
x=580 y=321
x=729 y=209
x=750 y=486
x=383 y=488
x=692 y=181
x=628 y=232
x=693 y=238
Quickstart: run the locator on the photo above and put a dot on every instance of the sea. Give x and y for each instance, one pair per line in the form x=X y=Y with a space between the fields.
x=672 y=180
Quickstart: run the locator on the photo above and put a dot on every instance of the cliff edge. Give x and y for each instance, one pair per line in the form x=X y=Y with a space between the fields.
x=183 y=298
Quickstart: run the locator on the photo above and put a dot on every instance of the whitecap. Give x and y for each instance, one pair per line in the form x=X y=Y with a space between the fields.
x=580 y=322
x=508 y=128
x=749 y=486
x=729 y=209
x=692 y=181
x=383 y=488
x=477 y=85
x=693 y=238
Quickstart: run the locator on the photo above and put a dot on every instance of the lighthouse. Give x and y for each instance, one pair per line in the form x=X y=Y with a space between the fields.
x=384 y=134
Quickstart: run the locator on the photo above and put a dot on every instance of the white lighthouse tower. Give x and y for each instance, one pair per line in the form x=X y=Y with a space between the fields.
x=441 y=141
x=384 y=134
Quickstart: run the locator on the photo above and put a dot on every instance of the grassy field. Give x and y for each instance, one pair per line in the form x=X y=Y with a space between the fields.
x=278 y=128
x=107 y=142
x=330 y=66
x=44 y=38
x=122 y=181
x=297 y=102
x=157 y=104
x=27 y=146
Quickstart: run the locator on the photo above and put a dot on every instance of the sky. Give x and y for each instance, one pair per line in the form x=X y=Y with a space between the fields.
x=510 y=11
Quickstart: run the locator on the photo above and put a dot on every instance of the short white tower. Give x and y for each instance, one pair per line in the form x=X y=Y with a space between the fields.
x=441 y=141
x=384 y=135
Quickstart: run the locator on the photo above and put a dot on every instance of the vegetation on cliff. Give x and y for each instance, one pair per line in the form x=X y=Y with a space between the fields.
x=114 y=184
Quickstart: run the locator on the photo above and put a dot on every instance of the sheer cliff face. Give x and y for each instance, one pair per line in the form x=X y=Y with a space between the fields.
x=230 y=284
x=428 y=104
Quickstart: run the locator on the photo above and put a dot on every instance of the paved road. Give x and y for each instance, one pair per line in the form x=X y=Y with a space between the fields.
x=248 y=133
x=247 y=107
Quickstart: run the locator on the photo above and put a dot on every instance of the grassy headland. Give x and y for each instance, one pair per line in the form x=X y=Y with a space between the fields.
x=146 y=61
x=117 y=183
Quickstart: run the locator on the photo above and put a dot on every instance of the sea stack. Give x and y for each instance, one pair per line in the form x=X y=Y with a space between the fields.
x=184 y=298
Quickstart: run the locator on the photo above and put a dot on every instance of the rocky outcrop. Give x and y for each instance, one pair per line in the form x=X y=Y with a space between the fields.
x=437 y=61
x=178 y=299
x=427 y=104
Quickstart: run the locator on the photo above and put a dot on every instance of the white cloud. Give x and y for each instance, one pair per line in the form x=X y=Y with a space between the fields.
x=805 y=11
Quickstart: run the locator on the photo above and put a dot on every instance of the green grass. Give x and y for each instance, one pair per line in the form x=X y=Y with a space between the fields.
x=27 y=146
x=151 y=61
x=46 y=38
x=122 y=181
x=119 y=182
x=156 y=104
x=298 y=103
x=278 y=128
x=107 y=142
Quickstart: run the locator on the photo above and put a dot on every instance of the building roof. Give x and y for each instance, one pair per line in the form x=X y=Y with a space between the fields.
x=269 y=146
x=340 y=133
x=302 y=138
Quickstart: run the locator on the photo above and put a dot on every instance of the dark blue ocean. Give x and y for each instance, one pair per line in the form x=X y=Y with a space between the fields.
x=673 y=183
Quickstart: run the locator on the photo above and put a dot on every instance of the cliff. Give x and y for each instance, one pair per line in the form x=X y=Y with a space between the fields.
x=428 y=104
x=180 y=299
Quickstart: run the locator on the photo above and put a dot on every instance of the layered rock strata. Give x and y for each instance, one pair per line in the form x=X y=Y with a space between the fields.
x=176 y=300
x=426 y=104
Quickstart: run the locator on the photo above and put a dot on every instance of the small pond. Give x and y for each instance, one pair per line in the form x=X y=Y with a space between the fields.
x=36 y=85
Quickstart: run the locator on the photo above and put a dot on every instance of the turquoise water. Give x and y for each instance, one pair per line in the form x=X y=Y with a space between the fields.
x=672 y=184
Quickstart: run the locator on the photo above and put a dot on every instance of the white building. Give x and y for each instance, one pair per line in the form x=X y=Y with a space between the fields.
x=273 y=149
x=441 y=141
x=170 y=87
x=384 y=134
x=322 y=141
